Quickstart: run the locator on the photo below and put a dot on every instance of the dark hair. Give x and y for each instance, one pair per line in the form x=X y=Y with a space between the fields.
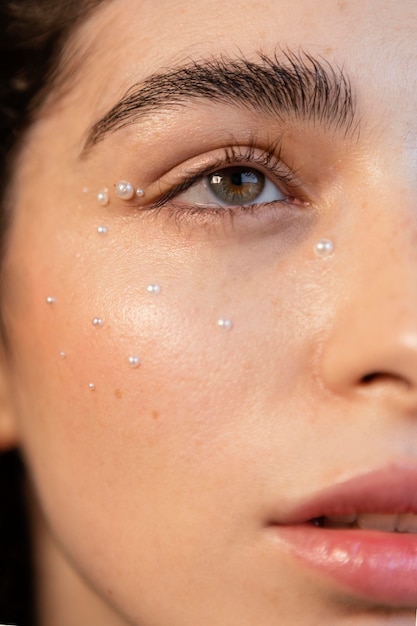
x=32 y=37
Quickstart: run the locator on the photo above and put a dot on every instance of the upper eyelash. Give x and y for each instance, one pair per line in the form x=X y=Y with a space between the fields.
x=269 y=159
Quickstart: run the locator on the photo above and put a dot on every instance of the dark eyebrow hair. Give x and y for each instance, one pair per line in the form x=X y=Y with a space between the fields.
x=297 y=86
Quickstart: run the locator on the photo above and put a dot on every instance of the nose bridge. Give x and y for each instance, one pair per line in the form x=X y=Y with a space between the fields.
x=373 y=335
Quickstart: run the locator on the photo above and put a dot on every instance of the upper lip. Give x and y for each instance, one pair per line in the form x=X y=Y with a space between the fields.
x=390 y=490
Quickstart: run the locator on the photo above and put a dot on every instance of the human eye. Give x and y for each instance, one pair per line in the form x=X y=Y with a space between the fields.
x=239 y=181
x=232 y=186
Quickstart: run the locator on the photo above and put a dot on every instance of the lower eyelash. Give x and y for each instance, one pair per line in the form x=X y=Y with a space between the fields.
x=209 y=215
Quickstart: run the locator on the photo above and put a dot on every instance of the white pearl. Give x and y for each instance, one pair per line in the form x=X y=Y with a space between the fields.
x=103 y=197
x=133 y=361
x=139 y=192
x=63 y=355
x=91 y=386
x=50 y=299
x=225 y=324
x=124 y=190
x=97 y=322
x=102 y=230
x=323 y=248
x=153 y=289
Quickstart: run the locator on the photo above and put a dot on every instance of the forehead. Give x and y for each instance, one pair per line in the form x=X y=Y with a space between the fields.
x=127 y=40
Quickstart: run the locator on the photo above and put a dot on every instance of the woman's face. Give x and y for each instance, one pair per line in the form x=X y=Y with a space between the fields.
x=180 y=448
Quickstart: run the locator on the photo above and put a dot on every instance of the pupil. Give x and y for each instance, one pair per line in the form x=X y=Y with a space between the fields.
x=240 y=178
x=237 y=185
x=236 y=178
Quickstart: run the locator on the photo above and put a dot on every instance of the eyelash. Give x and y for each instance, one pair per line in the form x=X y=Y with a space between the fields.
x=268 y=160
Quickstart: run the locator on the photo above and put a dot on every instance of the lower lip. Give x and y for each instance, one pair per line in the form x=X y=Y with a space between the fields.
x=377 y=566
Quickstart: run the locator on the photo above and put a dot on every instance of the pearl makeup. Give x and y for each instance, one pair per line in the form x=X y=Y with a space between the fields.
x=97 y=322
x=50 y=300
x=63 y=355
x=124 y=190
x=153 y=289
x=102 y=230
x=103 y=197
x=91 y=386
x=133 y=361
x=224 y=323
x=323 y=248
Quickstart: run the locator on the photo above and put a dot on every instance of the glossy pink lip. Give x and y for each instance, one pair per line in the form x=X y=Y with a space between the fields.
x=377 y=566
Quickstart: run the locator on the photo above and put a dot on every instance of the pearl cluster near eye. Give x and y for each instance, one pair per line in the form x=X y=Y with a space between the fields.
x=123 y=190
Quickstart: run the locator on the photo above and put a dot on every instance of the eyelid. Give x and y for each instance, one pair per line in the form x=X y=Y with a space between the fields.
x=267 y=160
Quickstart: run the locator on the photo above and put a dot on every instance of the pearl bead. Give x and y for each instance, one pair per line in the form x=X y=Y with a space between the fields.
x=124 y=190
x=103 y=197
x=225 y=324
x=63 y=355
x=133 y=361
x=91 y=386
x=155 y=289
x=139 y=192
x=102 y=230
x=97 y=322
x=50 y=300
x=323 y=248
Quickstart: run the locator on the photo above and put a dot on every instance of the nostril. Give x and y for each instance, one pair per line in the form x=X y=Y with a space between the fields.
x=376 y=377
x=385 y=379
x=369 y=378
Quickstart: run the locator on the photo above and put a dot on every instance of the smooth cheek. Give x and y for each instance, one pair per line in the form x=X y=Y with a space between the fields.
x=131 y=455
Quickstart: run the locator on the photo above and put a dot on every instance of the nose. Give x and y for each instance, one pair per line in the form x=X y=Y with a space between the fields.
x=371 y=344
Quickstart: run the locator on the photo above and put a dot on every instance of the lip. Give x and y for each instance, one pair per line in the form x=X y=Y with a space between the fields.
x=372 y=565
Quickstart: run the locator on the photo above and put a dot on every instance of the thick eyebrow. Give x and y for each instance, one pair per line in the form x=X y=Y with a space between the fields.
x=295 y=86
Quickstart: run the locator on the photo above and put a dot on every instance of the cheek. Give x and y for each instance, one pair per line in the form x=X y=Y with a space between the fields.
x=110 y=358
x=200 y=407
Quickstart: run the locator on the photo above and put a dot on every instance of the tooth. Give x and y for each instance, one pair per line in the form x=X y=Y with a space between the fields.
x=407 y=523
x=342 y=519
x=375 y=521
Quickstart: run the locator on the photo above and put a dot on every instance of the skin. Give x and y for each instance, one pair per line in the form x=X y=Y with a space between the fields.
x=150 y=495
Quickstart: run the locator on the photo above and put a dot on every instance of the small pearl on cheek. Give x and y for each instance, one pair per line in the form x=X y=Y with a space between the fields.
x=133 y=362
x=224 y=324
x=63 y=355
x=139 y=192
x=124 y=190
x=323 y=248
x=91 y=386
x=103 y=197
x=155 y=289
x=97 y=322
x=102 y=230
x=50 y=300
